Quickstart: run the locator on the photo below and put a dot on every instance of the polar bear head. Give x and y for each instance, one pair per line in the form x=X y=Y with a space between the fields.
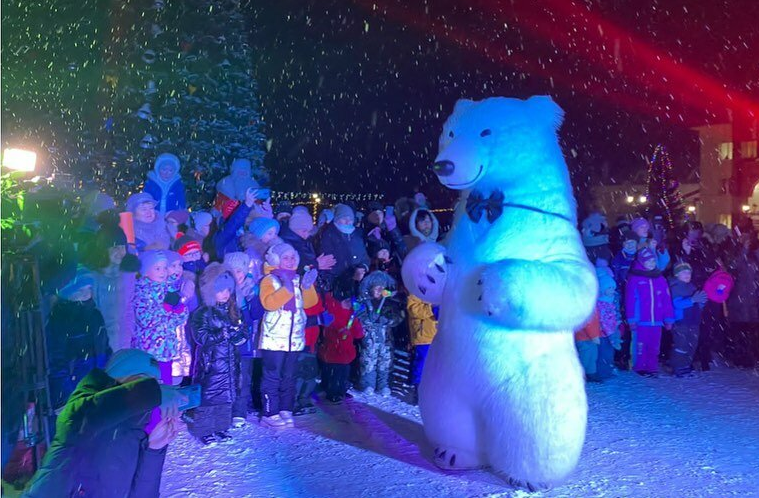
x=501 y=142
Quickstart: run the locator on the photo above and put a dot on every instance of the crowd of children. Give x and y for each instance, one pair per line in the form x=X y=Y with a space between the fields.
x=265 y=310
x=666 y=298
x=258 y=305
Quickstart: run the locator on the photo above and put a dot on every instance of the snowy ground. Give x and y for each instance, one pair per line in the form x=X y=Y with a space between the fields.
x=661 y=437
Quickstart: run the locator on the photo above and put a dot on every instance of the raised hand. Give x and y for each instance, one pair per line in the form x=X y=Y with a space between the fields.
x=250 y=196
x=309 y=278
x=325 y=261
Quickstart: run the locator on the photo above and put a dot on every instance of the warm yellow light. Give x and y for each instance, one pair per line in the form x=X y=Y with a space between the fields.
x=314 y=196
x=19 y=159
x=691 y=209
x=643 y=199
x=745 y=208
x=317 y=200
x=630 y=199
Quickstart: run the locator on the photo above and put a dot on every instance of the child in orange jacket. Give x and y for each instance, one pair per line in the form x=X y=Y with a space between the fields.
x=587 y=340
x=284 y=295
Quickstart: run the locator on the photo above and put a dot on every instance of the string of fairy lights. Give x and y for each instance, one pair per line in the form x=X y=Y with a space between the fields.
x=318 y=197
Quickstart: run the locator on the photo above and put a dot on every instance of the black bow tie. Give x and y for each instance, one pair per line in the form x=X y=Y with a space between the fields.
x=476 y=204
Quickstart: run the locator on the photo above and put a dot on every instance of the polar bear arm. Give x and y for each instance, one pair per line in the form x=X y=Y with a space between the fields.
x=538 y=295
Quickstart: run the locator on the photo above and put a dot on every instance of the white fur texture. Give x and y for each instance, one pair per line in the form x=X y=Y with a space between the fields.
x=502 y=386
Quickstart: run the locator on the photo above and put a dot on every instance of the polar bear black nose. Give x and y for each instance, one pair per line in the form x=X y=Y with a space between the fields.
x=443 y=168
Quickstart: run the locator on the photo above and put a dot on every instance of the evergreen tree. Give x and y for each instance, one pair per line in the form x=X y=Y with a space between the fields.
x=144 y=77
x=663 y=191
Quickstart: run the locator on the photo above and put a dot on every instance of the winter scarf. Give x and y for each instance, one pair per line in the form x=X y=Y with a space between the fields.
x=286 y=278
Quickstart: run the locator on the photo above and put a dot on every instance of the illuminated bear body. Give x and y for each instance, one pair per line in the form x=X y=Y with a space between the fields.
x=502 y=386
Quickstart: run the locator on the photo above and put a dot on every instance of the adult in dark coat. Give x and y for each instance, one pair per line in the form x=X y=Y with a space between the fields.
x=379 y=227
x=225 y=239
x=298 y=233
x=100 y=449
x=697 y=252
x=344 y=242
x=77 y=342
x=742 y=344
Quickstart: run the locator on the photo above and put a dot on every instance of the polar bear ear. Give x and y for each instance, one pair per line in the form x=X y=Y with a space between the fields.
x=462 y=105
x=546 y=108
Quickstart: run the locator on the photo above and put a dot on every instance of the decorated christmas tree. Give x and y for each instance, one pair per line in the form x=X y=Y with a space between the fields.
x=129 y=81
x=663 y=190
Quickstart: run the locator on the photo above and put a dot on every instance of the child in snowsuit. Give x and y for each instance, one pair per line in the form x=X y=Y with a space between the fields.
x=216 y=331
x=688 y=303
x=284 y=296
x=587 y=340
x=378 y=315
x=250 y=312
x=648 y=306
x=610 y=320
x=158 y=313
x=422 y=324
x=625 y=258
x=182 y=283
x=77 y=340
x=337 y=349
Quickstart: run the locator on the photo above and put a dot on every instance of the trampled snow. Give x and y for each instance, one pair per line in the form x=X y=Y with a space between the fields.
x=647 y=437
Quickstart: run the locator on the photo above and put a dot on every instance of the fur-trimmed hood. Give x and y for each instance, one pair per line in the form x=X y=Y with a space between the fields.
x=164 y=159
x=207 y=279
x=419 y=235
x=376 y=278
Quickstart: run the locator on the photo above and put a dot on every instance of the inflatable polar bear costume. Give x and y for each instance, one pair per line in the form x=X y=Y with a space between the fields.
x=502 y=386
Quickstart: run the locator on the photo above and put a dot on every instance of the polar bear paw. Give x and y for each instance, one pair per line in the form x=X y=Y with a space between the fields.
x=425 y=272
x=452 y=459
x=493 y=302
x=529 y=486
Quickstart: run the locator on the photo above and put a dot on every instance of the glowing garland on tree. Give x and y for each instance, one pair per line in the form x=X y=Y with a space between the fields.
x=662 y=189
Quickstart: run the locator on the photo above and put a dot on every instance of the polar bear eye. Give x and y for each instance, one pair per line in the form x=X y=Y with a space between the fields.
x=450 y=133
x=485 y=133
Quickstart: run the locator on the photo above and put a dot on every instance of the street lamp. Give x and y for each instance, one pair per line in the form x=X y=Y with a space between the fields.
x=630 y=199
x=691 y=209
x=19 y=160
x=643 y=199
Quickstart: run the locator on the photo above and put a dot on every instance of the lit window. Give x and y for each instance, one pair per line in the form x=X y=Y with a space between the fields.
x=726 y=151
x=748 y=149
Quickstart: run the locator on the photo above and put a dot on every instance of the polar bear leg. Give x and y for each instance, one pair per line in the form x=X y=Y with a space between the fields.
x=451 y=428
x=536 y=428
x=452 y=436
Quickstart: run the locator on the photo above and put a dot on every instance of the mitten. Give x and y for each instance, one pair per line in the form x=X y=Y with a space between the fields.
x=327 y=318
x=309 y=278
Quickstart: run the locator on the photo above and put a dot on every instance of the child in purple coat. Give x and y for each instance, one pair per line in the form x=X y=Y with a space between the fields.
x=648 y=306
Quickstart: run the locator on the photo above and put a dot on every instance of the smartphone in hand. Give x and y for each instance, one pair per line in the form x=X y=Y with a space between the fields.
x=193 y=397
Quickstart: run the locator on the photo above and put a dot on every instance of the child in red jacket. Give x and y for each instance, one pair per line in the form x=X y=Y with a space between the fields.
x=337 y=350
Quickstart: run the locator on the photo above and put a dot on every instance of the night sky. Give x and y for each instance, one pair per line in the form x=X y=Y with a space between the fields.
x=354 y=93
